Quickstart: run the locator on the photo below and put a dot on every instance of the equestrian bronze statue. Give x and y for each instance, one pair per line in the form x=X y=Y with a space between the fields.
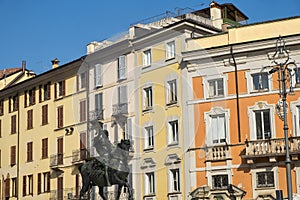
x=109 y=168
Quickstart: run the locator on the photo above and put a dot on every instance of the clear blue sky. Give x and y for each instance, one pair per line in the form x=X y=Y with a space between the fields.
x=39 y=31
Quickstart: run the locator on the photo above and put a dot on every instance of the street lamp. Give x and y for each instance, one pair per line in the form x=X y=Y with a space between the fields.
x=285 y=70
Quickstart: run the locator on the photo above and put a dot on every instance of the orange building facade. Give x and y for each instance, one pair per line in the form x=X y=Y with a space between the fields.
x=238 y=148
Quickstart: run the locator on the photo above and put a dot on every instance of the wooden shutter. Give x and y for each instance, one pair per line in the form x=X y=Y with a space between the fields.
x=0 y=133
x=29 y=151
x=48 y=181
x=7 y=188
x=40 y=93
x=60 y=150
x=63 y=88
x=77 y=187
x=48 y=90
x=39 y=183
x=1 y=107
x=82 y=111
x=24 y=186
x=45 y=148
x=25 y=98
x=82 y=145
x=13 y=124
x=12 y=155
x=44 y=114
x=60 y=115
x=30 y=119
x=98 y=75
x=55 y=90
x=33 y=96
x=60 y=188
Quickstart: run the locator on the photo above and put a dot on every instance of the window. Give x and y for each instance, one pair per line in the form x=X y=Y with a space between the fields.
x=13 y=123
x=260 y=81
x=149 y=138
x=46 y=179
x=263 y=124
x=29 y=151
x=171 y=92
x=82 y=81
x=173 y=132
x=147 y=98
x=99 y=106
x=44 y=148
x=31 y=96
x=218 y=127
x=149 y=183
x=12 y=155
x=30 y=184
x=0 y=161
x=60 y=188
x=265 y=179
x=44 y=114
x=297 y=77
x=98 y=75
x=174 y=180
x=82 y=146
x=47 y=91
x=0 y=128
x=60 y=89
x=82 y=111
x=122 y=94
x=39 y=183
x=1 y=107
x=220 y=181
x=60 y=151
x=147 y=58
x=14 y=191
x=216 y=87
x=24 y=185
x=170 y=50
x=122 y=67
x=7 y=188
x=60 y=117
x=13 y=103
x=29 y=119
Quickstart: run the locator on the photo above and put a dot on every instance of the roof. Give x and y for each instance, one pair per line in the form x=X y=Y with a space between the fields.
x=231 y=10
x=7 y=72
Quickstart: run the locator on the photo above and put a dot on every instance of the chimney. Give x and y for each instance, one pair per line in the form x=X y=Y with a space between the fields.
x=23 y=65
x=216 y=14
x=55 y=63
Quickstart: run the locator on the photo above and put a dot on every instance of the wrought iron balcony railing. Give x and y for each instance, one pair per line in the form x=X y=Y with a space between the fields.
x=272 y=148
x=120 y=109
x=56 y=160
x=218 y=152
x=79 y=155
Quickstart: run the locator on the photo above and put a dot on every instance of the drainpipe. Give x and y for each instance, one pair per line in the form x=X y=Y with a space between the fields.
x=237 y=94
x=18 y=146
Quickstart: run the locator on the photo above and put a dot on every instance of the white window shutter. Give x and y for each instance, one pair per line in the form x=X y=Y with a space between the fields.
x=129 y=128
x=122 y=67
x=98 y=75
x=122 y=94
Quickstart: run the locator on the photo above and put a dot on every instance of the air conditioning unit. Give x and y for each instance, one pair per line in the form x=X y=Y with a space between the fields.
x=70 y=196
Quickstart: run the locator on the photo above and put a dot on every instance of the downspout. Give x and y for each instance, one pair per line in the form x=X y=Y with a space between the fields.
x=18 y=146
x=237 y=94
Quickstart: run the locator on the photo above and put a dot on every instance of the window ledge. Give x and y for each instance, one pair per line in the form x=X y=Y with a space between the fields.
x=170 y=59
x=149 y=149
x=173 y=144
x=265 y=188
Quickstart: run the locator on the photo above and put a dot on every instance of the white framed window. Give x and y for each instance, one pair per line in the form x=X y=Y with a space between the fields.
x=99 y=106
x=295 y=108
x=261 y=118
x=174 y=177
x=149 y=183
x=122 y=65
x=122 y=94
x=171 y=92
x=81 y=81
x=265 y=179
x=220 y=181
x=98 y=75
x=148 y=137
x=217 y=126
x=216 y=87
x=258 y=81
x=147 y=58
x=60 y=89
x=170 y=50
x=173 y=131
x=147 y=98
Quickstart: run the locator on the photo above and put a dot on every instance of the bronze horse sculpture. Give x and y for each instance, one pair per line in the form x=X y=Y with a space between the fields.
x=107 y=172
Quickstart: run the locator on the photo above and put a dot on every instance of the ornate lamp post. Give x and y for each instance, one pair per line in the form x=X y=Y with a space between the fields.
x=285 y=70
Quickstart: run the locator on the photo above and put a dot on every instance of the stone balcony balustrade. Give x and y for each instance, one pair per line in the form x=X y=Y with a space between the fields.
x=219 y=152
x=271 y=148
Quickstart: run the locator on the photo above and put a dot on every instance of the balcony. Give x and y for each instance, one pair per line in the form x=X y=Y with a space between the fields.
x=218 y=153
x=271 y=149
x=97 y=114
x=79 y=155
x=67 y=193
x=56 y=160
x=120 y=109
